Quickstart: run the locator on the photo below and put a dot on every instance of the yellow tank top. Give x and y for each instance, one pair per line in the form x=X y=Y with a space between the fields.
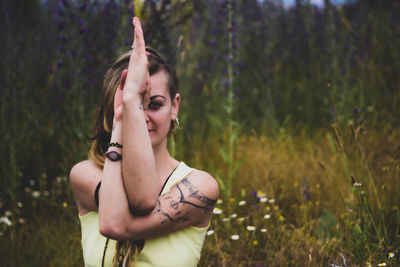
x=180 y=248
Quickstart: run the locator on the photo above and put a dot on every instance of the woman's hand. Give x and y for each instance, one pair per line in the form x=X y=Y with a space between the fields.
x=118 y=98
x=137 y=80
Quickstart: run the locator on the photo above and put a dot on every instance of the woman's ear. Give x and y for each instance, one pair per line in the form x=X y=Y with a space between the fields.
x=123 y=79
x=175 y=106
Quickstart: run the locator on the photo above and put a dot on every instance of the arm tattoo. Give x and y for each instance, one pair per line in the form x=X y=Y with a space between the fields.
x=194 y=193
x=206 y=202
x=169 y=218
x=188 y=194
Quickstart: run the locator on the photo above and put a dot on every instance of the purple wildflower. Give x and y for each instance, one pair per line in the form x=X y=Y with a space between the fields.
x=83 y=30
x=305 y=189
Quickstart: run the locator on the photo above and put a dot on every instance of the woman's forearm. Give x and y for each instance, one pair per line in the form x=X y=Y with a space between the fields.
x=113 y=203
x=138 y=165
x=114 y=208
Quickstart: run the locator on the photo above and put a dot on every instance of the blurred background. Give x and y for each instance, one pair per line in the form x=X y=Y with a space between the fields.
x=293 y=106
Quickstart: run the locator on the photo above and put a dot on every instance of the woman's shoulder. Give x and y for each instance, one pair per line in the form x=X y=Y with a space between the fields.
x=85 y=164
x=84 y=177
x=204 y=182
x=84 y=169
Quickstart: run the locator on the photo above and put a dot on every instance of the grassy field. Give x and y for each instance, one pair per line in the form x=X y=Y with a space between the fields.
x=294 y=203
x=295 y=110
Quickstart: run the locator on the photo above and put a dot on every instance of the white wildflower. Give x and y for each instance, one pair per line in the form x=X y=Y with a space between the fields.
x=210 y=232
x=36 y=194
x=19 y=204
x=217 y=211
x=250 y=228
x=219 y=201
x=242 y=202
x=271 y=201
x=225 y=219
x=263 y=199
x=260 y=193
x=7 y=213
x=234 y=215
x=263 y=230
x=235 y=237
x=5 y=220
x=267 y=216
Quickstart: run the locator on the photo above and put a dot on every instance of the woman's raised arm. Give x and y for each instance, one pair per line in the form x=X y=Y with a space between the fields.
x=138 y=170
x=138 y=164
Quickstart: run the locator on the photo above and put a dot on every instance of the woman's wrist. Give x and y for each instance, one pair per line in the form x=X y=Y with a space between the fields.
x=132 y=100
x=116 y=134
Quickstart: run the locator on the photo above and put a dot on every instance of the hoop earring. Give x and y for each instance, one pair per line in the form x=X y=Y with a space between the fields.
x=173 y=128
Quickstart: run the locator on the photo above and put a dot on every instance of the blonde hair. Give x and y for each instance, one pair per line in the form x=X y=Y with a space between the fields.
x=105 y=112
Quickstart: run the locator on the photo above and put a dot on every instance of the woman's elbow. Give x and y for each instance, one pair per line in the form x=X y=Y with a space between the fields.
x=112 y=230
x=143 y=208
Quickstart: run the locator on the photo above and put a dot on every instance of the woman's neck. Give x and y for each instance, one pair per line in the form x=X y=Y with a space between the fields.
x=165 y=164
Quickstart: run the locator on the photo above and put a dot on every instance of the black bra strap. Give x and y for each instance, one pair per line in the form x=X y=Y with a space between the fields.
x=96 y=194
x=165 y=183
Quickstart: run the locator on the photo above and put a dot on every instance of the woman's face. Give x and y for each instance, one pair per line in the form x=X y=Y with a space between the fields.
x=161 y=110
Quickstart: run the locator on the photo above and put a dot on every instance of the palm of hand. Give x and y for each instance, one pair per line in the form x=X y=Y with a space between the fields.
x=118 y=104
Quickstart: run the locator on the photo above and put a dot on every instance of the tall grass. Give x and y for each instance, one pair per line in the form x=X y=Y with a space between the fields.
x=295 y=110
x=318 y=212
x=295 y=188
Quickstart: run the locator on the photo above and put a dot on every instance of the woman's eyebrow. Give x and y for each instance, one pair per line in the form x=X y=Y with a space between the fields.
x=155 y=96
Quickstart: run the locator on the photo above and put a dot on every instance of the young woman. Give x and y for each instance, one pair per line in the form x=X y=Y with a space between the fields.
x=138 y=206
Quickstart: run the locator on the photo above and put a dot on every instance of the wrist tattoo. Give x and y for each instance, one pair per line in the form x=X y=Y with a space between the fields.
x=141 y=104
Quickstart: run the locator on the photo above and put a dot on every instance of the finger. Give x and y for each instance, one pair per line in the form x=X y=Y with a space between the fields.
x=134 y=34
x=123 y=79
x=138 y=42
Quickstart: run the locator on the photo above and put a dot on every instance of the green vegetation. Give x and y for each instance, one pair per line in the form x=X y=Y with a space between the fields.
x=294 y=109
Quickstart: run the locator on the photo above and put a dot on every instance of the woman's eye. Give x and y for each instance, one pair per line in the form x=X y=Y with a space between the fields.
x=154 y=105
